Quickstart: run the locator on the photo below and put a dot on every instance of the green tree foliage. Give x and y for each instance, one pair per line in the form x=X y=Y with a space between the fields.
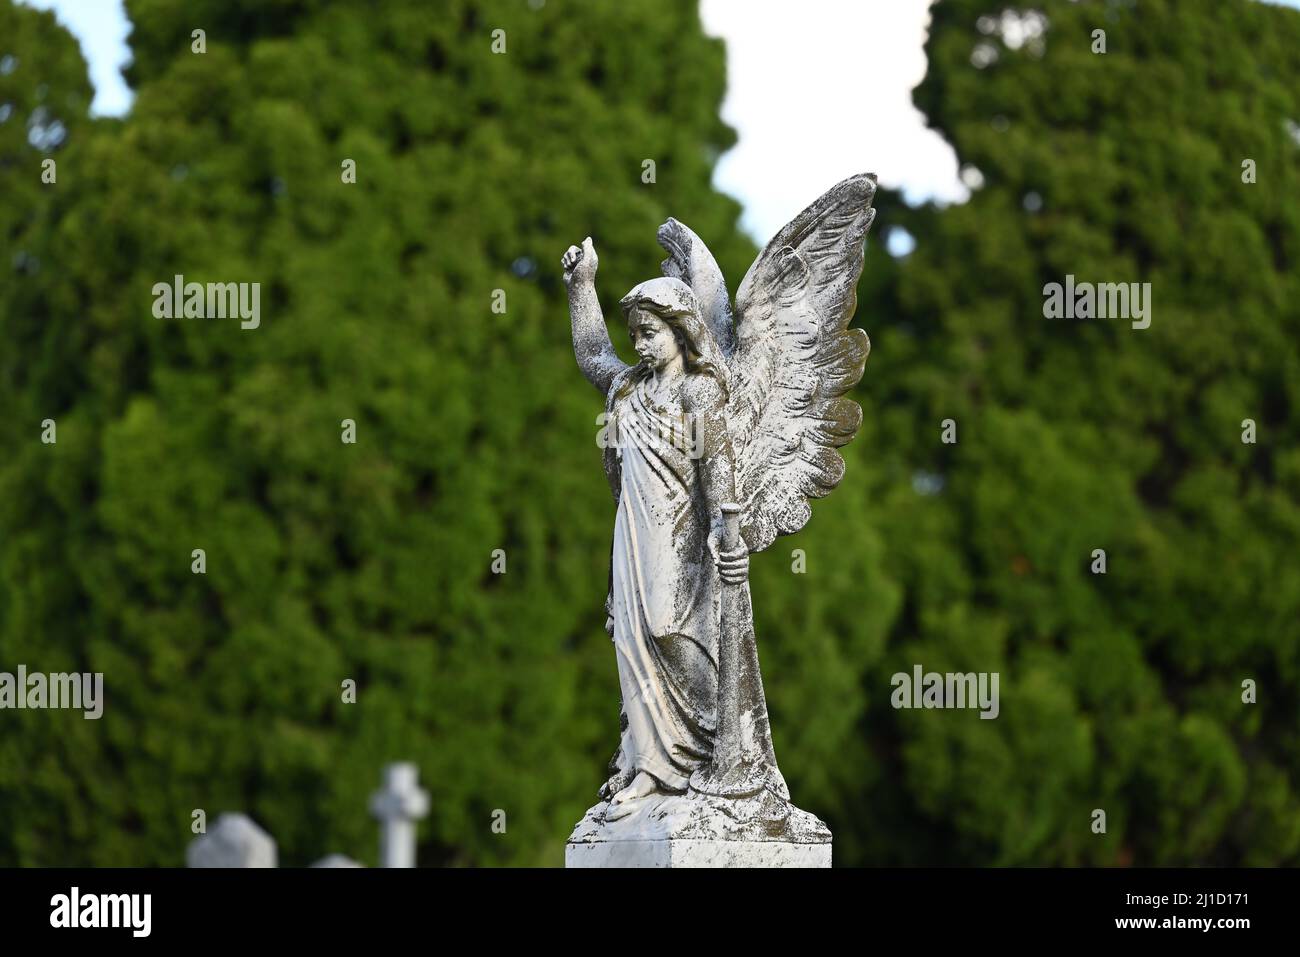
x=328 y=561
x=44 y=98
x=1120 y=691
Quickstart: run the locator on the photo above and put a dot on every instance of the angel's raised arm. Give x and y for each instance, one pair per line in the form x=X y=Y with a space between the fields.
x=591 y=346
x=690 y=261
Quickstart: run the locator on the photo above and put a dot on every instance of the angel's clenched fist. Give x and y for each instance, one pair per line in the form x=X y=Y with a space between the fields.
x=579 y=263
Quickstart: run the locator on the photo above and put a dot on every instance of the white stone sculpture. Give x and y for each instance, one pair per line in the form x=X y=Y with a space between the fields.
x=714 y=443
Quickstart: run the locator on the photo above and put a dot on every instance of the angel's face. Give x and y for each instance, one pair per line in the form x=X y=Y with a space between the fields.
x=653 y=339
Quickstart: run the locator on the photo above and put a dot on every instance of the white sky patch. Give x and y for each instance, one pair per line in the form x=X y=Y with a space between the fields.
x=819 y=90
x=101 y=27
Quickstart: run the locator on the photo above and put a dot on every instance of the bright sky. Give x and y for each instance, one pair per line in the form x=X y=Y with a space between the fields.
x=101 y=28
x=817 y=90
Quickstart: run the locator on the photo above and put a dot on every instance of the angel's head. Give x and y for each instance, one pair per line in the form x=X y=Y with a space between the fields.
x=663 y=319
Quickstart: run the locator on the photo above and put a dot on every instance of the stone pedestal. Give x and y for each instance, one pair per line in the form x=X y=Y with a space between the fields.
x=695 y=830
x=688 y=853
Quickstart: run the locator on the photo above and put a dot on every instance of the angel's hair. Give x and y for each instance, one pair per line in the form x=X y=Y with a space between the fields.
x=673 y=301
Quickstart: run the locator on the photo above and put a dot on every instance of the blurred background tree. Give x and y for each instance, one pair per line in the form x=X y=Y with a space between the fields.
x=1121 y=691
x=326 y=561
x=475 y=432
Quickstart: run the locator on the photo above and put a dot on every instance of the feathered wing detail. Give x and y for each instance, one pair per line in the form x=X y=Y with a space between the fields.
x=794 y=360
x=690 y=261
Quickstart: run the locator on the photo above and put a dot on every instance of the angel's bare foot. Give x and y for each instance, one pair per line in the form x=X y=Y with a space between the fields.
x=622 y=803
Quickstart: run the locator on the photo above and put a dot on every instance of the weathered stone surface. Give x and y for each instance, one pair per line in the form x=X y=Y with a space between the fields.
x=234 y=841
x=715 y=441
x=690 y=853
x=692 y=816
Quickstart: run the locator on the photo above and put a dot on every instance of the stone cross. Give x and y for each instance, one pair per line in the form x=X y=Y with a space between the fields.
x=397 y=807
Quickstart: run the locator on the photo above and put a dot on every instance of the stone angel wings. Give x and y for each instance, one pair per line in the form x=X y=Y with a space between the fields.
x=792 y=356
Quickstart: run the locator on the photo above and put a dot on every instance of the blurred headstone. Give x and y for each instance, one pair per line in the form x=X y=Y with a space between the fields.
x=234 y=841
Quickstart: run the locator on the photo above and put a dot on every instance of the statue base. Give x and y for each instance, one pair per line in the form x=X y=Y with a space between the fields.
x=696 y=854
x=700 y=830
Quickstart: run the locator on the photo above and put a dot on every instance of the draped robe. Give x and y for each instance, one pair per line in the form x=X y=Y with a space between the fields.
x=664 y=591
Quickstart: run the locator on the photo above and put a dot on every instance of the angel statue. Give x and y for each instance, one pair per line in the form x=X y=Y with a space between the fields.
x=713 y=444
